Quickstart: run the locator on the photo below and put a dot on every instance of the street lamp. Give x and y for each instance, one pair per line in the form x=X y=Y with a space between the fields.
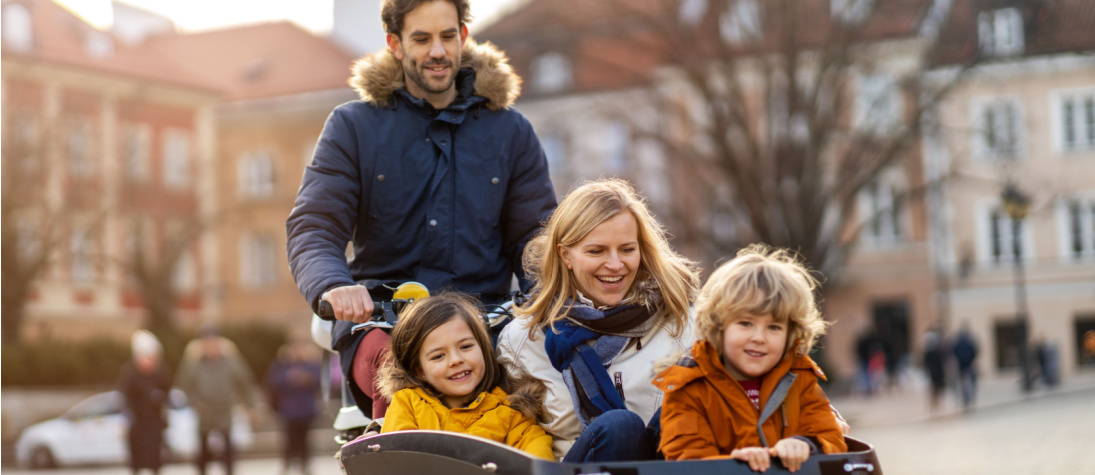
x=1017 y=205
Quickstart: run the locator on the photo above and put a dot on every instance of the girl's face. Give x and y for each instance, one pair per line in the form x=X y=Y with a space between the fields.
x=452 y=362
x=752 y=345
x=606 y=260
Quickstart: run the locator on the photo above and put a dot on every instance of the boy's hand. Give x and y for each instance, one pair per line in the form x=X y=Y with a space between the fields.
x=756 y=457
x=792 y=452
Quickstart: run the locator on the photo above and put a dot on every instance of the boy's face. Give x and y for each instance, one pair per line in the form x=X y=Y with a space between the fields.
x=752 y=345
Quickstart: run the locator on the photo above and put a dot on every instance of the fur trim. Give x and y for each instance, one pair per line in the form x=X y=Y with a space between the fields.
x=527 y=396
x=378 y=75
x=526 y=393
x=391 y=378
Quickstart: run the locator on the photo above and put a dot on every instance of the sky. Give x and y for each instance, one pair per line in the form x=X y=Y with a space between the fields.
x=197 y=15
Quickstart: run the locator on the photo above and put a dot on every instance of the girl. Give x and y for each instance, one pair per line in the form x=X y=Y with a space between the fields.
x=611 y=298
x=442 y=375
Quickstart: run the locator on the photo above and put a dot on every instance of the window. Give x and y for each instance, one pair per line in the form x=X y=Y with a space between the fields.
x=1000 y=32
x=186 y=272
x=616 y=142
x=878 y=104
x=98 y=44
x=1007 y=334
x=882 y=205
x=1083 y=327
x=850 y=11
x=256 y=175
x=136 y=142
x=998 y=129
x=741 y=21
x=82 y=266
x=1077 y=113
x=176 y=156
x=1079 y=227
x=258 y=261
x=18 y=30
x=691 y=11
x=555 y=149
x=78 y=149
x=1005 y=237
x=551 y=72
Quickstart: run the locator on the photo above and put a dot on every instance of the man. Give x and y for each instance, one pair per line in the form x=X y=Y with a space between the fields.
x=215 y=379
x=431 y=174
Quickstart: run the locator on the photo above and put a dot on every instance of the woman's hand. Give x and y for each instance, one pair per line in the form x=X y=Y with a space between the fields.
x=756 y=457
x=792 y=452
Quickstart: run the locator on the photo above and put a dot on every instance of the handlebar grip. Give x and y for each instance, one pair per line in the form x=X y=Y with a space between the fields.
x=327 y=312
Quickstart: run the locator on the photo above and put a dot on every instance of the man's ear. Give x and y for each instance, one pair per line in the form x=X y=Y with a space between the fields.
x=463 y=33
x=394 y=46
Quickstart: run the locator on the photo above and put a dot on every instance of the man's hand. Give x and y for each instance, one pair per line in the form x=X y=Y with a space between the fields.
x=792 y=452
x=756 y=457
x=351 y=303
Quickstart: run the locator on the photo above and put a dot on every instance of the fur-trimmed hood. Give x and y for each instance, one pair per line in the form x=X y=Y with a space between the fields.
x=524 y=392
x=377 y=76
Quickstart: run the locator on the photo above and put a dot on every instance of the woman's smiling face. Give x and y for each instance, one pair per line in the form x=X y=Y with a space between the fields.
x=604 y=263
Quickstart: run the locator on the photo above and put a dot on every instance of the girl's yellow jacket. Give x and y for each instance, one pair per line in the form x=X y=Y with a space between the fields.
x=489 y=416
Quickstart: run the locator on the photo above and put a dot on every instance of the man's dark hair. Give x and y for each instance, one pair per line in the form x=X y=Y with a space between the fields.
x=393 y=11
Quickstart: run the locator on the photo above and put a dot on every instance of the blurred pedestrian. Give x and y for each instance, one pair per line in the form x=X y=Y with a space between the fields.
x=965 y=355
x=293 y=385
x=868 y=351
x=145 y=385
x=1048 y=362
x=935 y=363
x=216 y=380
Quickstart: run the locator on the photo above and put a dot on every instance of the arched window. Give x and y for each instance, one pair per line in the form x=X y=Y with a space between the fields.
x=18 y=28
x=741 y=22
x=551 y=72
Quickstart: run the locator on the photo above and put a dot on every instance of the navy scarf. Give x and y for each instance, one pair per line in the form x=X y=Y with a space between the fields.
x=582 y=353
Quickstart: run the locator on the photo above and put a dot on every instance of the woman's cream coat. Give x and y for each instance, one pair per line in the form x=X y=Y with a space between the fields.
x=633 y=368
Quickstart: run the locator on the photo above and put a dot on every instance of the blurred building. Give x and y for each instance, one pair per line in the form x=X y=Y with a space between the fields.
x=582 y=63
x=140 y=137
x=278 y=84
x=925 y=252
x=1025 y=116
x=106 y=152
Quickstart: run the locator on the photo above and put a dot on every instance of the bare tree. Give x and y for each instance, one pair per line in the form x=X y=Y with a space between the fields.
x=155 y=260
x=47 y=220
x=776 y=115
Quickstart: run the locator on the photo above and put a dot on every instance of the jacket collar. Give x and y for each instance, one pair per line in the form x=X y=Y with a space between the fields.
x=703 y=361
x=482 y=403
x=377 y=77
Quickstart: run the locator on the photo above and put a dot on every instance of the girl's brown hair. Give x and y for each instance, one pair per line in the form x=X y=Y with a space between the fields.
x=402 y=368
x=762 y=281
x=660 y=268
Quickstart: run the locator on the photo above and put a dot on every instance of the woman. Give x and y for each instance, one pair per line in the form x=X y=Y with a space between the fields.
x=611 y=298
x=145 y=387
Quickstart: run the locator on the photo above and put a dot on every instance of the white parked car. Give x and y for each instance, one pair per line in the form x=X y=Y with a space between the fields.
x=94 y=432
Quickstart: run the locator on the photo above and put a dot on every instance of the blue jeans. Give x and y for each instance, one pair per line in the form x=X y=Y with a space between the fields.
x=615 y=436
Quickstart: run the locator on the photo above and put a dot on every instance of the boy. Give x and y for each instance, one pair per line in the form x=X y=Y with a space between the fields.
x=748 y=382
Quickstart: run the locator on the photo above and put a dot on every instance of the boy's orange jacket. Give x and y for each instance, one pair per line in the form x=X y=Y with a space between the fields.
x=706 y=414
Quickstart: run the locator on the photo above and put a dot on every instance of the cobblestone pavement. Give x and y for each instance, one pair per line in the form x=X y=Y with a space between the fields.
x=1051 y=434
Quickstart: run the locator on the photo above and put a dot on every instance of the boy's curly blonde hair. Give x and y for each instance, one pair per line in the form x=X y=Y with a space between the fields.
x=761 y=280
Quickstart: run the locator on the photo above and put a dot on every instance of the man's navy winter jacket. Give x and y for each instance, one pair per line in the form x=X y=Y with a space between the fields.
x=447 y=198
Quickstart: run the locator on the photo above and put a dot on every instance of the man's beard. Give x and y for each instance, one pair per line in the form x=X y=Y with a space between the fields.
x=414 y=73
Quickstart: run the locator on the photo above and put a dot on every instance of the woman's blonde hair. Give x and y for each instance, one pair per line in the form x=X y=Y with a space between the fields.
x=762 y=281
x=661 y=270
